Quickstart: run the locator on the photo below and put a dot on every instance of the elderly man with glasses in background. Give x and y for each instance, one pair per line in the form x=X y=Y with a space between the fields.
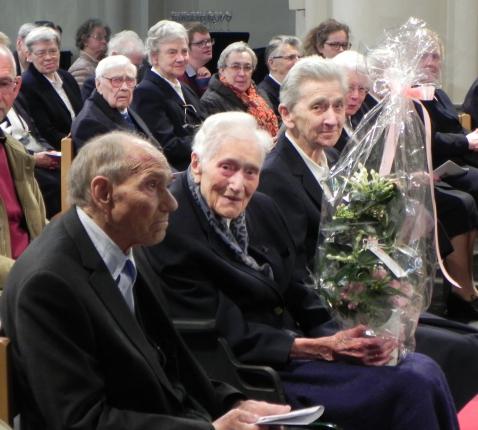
x=281 y=54
x=108 y=108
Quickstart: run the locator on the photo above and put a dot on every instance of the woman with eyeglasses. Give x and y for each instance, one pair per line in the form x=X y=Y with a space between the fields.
x=232 y=88
x=170 y=109
x=51 y=94
x=327 y=39
x=91 y=39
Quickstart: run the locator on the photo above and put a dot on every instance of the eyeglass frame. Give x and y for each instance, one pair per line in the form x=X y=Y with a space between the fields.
x=338 y=45
x=99 y=38
x=236 y=67
x=42 y=53
x=289 y=57
x=203 y=43
x=363 y=91
x=124 y=80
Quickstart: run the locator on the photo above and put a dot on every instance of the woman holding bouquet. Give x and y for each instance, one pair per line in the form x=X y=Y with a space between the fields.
x=228 y=255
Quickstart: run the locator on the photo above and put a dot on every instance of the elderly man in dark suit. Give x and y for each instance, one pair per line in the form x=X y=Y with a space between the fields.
x=170 y=109
x=108 y=108
x=91 y=345
x=52 y=94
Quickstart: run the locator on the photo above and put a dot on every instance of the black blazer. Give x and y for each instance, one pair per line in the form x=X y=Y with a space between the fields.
x=286 y=178
x=163 y=111
x=270 y=90
x=50 y=114
x=81 y=358
x=98 y=117
x=203 y=279
x=470 y=105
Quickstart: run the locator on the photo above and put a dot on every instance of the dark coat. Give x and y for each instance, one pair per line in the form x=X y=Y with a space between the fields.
x=258 y=316
x=219 y=98
x=470 y=105
x=47 y=109
x=163 y=111
x=81 y=358
x=286 y=178
x=270 y=90
x=98 y=117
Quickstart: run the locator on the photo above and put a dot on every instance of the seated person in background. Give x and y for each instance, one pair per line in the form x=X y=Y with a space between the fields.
x=91 y=39
x=313 y=112
x=470 y=105
x=200 y=53
x=327 y=39
x=232 y=88
x=281 y=54
x=170 y=109
x=108 y=108
x=126 y=43
x=80 y=314
x=22 y=212
x=52 y=94
x=264 y=310
x=21 y=53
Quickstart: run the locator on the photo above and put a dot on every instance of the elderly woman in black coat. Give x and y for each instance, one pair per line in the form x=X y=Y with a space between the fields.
x=228 y=255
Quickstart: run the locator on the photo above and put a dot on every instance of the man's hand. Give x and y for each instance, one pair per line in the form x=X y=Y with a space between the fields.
x=203 y=72
x=473 y=140
x=45 y=161
x=246 y=413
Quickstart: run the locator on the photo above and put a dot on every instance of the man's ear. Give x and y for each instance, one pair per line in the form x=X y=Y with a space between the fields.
x=196 y=167
x=101 y=191
x=287 y=116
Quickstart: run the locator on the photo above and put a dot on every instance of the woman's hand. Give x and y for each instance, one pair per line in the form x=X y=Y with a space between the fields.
x=346 y=344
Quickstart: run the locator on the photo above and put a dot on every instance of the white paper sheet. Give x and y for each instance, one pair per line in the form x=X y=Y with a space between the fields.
x=298 y=417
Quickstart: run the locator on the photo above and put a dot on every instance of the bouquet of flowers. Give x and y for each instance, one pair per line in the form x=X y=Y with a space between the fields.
x=376 y=257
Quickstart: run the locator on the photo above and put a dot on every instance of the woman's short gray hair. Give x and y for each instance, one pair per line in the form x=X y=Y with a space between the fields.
x=41 y=34
x=352 y=61
x=125 y=42
x=277 y=42
x=313 y=68
x=104 y=155
x=236 y=47
x=114 y=62
x=236 y=125
x=162 y=32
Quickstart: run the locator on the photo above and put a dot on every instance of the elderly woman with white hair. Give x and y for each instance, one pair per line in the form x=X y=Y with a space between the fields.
x=170 y=109
x=52 y=94
x=232 y=88
x=228 y=255
x=108 y=108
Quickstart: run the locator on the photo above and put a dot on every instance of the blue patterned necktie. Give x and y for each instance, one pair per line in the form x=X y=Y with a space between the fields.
x=128 y=121
x=125 y=282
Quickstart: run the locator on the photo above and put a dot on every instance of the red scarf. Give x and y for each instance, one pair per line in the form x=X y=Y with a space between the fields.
x=257 y=107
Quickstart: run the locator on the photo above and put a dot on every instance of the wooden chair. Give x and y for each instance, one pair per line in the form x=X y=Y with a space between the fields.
x=66 y=160
x=6 y=414
x=465 y=120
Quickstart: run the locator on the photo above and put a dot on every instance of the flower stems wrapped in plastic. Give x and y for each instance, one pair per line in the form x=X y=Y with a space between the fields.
x=376 y=258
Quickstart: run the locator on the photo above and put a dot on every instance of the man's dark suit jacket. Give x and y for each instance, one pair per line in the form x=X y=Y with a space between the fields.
x=286 y=178
x=470 y=105
x=270 y=90
x=50 y=114
x=98 y=117
x=163 y=111
x=83 y=360
x=203 y=279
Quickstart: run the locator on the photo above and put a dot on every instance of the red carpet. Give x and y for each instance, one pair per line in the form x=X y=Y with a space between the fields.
x=468 y=416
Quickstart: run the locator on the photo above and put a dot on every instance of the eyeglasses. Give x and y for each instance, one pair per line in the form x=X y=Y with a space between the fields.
x=117 y=81
x=236 y=67
x=338 y=45
x=7 y=85
x=203 y=43
x=361 y=90
x=44 y=52
x=291 y=57
x=99 y=37
x=187 y=125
